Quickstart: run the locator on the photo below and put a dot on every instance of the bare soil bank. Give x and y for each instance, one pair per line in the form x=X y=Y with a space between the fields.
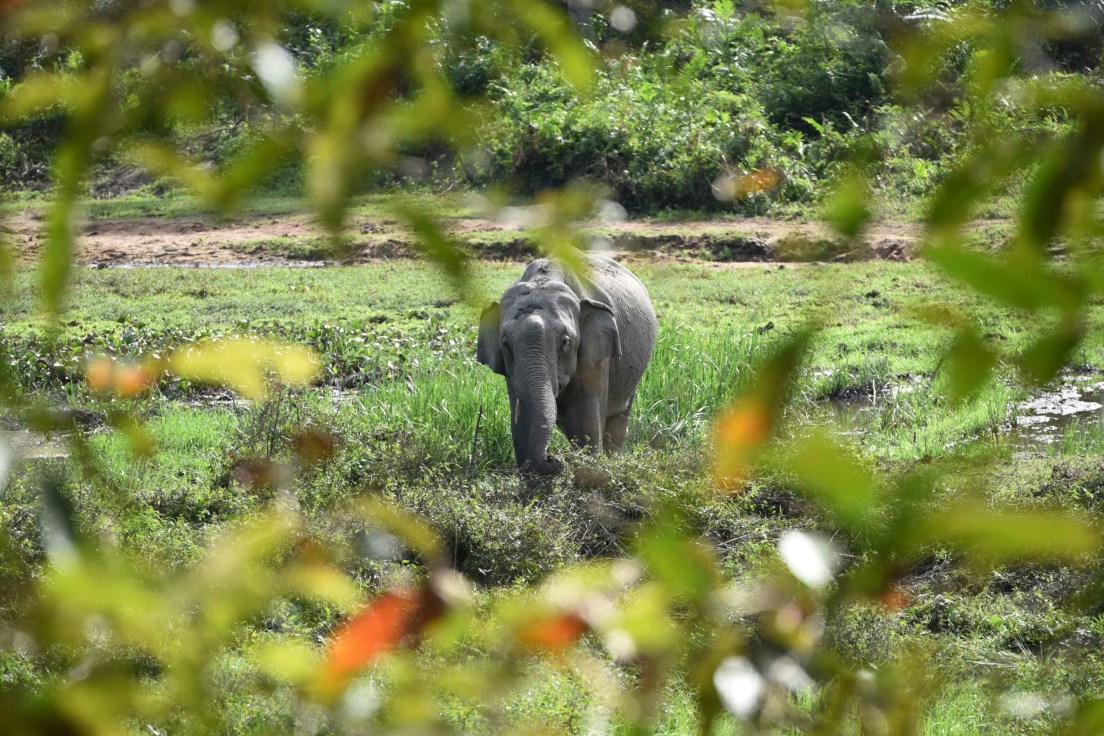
x=287 y=239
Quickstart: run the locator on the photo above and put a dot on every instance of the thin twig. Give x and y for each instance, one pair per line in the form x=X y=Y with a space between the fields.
x=475 y=438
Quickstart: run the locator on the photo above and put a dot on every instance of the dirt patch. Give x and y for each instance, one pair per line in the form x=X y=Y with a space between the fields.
x=720 y=247
x=28 y=445
x=165 y=241
x=893 y=249
x=120 y=180
x=288 y=239
x=514 y=249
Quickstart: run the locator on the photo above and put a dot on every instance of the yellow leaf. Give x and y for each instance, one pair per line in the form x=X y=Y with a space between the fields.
x=37 y=94
x=245 y=364
x=293 y=662
x=323 y=583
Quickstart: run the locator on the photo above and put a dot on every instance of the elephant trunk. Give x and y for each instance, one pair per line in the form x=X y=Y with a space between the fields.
x=533 y=416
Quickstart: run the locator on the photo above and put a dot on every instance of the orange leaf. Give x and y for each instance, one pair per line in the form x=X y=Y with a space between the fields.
x=255 y=473
x=741 y=434
x=396 y=617
x=744 y=426
x=760 y=180
x=98 y=374
x=313 y=445
x=895 y=599
x=370 y=633
x=132 y=379
x=555 y=633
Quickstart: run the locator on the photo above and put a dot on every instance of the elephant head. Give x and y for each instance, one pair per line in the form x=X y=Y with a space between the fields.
x=540 y=337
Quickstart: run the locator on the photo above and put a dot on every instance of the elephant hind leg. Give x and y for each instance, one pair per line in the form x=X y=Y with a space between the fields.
x=617 y=427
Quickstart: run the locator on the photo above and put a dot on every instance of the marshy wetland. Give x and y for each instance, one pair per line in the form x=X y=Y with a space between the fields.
x=417 y=421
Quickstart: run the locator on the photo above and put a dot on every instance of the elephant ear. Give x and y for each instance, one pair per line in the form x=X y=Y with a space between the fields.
x=598 y=335
x=488 y=349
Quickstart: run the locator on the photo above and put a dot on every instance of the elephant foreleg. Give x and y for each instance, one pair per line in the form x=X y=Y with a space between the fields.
x=583 y=410
x=583 y=426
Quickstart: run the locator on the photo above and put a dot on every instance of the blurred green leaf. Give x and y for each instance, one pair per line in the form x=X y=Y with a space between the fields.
x=683 y=566
x=922 y=48
x=252 y=165
x=160 y=159
x=322 y=583
x=1044 y=358
x=438 y=247
x=57 y=258
x=421 y=538
x=38 y=93
x=646 y=621
x=552 y=26
x=5 y=463
x=59 y=529
x=743 y=429
x=848 y=208
x=292 y=662
x=1021 y=286
x=1071 y=164
x=991 y=534
x=969 y=363
x=967 y=185
x=833 y=477
x=1087 y=720
x=7 y=264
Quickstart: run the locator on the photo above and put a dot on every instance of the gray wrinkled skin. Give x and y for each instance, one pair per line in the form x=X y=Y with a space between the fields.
x=572 y=351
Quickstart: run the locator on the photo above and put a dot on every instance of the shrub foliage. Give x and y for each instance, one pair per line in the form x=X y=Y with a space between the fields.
x=95 y=637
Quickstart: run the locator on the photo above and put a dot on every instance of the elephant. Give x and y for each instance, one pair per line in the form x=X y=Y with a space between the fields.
x=573 y=347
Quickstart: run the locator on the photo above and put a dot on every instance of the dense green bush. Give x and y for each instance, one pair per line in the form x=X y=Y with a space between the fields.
x=655 y=145
x=736 y=91
x=719 y=92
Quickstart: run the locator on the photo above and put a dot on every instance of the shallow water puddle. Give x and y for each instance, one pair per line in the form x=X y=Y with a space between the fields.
x=1042 y=420
x=853 y=414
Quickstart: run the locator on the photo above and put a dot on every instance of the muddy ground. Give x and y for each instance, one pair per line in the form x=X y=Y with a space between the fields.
x=287 y=239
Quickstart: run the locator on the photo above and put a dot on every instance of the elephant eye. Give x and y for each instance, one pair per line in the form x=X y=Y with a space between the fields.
x=506 y=349
x=565 y=341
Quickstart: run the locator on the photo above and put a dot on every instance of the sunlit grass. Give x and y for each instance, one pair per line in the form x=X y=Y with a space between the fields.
x=872 y=350
x=433 y=433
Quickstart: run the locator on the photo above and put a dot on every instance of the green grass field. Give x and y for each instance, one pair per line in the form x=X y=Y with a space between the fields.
x=418 y=421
